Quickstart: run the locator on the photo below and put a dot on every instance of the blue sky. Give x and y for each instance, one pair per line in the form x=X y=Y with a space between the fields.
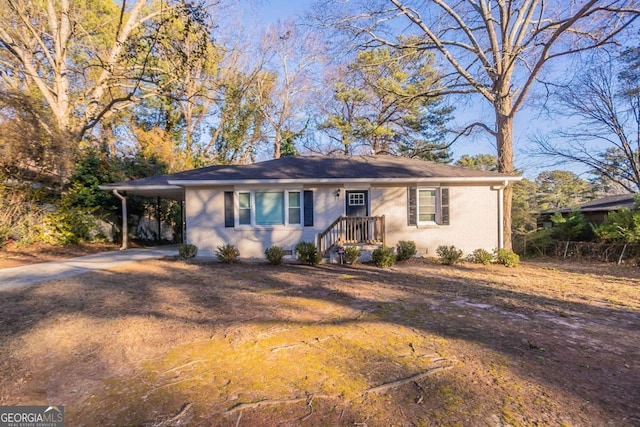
x=272 y=10
x=528 y=121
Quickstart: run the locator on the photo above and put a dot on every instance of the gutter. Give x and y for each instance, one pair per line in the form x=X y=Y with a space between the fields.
x=500 y=189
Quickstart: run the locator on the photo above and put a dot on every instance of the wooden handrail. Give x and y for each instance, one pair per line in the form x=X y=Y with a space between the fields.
x=352 y=229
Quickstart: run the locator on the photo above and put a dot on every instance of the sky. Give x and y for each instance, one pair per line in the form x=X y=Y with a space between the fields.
x=272 y=10
x=528 y=121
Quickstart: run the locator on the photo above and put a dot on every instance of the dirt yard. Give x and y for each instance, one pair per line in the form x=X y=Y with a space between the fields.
x=14 y=255
x=166 y=343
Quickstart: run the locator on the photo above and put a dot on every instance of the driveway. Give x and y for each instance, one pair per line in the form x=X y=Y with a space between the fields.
x=17 y=277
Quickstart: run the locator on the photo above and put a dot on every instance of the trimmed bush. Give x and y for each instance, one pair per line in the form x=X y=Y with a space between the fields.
x=481 y=256
x=383 y=257
x=507 y=258
x=351 y=254
x=307 y=253
x=405 y=249
x=229 y=254
x=187 y=251
x=274 y=254
x=449 y=255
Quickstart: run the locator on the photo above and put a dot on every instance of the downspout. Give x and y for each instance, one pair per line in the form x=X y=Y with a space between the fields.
x=125 y=232
x=501 y=214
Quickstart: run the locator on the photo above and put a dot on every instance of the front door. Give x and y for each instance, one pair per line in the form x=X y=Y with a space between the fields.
x=357 y=203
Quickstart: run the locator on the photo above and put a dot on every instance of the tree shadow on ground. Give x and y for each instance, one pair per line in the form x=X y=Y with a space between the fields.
x=589 y=353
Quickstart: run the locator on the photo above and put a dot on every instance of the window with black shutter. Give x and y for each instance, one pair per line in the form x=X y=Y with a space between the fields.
x=229 y=219
x=428 y=206
x=444 y=206
x=308 y=208
x=412 y=206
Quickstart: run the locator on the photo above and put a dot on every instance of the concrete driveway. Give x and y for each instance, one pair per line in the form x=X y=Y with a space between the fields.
x=17 y=277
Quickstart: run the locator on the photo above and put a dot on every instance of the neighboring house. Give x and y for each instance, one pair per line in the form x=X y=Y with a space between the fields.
x=334 y=201
x=594 y=211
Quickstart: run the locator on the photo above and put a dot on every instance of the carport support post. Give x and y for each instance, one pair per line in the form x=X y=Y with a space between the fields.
x=125 y=231
x=159 y=220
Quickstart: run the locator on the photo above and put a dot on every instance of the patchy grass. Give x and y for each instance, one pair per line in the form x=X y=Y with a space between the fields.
x=168 y=343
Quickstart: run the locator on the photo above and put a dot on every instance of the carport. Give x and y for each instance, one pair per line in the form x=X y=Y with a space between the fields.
x=156 y=187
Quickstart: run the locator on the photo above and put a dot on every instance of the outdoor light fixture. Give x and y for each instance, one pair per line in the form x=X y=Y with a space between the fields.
x=337 y=193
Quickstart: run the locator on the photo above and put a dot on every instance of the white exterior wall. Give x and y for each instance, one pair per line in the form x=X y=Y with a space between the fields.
x=473 y=214
x=474 y=220
x=205 y=221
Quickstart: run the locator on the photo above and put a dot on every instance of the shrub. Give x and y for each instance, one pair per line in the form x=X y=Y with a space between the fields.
x=66 y=225
x=351 y=254
x=405 y=249
x=449 y=255
x=507 y=258
x=383 y=257
x=622 y=226
x=537 y=243
x=274 y=254
x=567 y=228
x=229 y=254
x=307 y=253
x=187 y=251
x=481 y=256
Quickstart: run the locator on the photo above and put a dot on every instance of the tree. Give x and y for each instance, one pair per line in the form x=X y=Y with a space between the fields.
x=239 y=128
x=376 y=105
x=561 y=189
x=192 y=62
x=31 y=147
x=84 y=61
x=483 y=162
x=605 y=106
x=494 y=49
x=568 y=227
x=622 y=226
x=290 y=57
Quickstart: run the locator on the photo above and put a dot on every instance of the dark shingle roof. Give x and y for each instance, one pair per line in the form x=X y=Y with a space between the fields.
x=610 y=203
x=315 y=168
x=322 y=167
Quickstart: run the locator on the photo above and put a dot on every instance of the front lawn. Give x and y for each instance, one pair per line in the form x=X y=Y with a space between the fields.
x=172 y=343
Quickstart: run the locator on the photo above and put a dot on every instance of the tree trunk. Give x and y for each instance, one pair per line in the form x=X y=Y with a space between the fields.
x=277 y=143
x=504 y=139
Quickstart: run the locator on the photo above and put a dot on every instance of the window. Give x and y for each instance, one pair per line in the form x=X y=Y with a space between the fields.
x=267 y=208
x=294 y=207
x=356 y=199
x=426 y=205
x=244 y=208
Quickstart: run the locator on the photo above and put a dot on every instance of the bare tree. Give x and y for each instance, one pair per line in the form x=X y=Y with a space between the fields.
x=292 y=55
x=493 y=48
x=606 y=133
x=85 y=63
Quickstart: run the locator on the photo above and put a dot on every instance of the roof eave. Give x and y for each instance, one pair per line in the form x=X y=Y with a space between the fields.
x=484 y=179
x=109 y=187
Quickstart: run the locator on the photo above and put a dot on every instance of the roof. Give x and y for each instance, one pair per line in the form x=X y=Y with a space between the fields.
x=308 y=170
x=605 y=204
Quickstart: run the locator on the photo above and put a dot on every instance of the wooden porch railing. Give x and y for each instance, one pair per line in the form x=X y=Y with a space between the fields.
x=352 y=230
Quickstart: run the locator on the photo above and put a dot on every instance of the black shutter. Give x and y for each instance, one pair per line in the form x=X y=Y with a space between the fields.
x=308 y=208
x=444 y=206
x=412 y=206
x=229 y=220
